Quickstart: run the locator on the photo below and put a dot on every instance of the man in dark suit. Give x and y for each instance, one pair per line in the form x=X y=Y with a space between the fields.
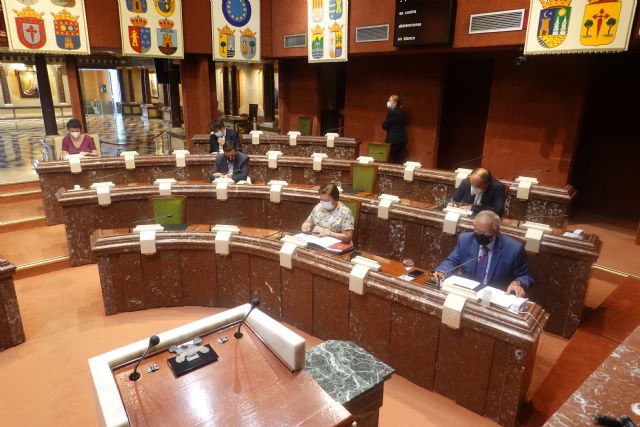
x=394 y=125
x=481 y=191
x=219 y=134
x=231 y=164
x=489 y=257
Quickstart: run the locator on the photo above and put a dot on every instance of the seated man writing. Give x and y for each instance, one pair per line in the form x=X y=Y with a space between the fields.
x=231 y=164
x=330 y=217
x=481 y=191
x=489 y=257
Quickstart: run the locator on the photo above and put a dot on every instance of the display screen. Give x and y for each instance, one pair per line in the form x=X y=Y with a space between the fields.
x=423 y=22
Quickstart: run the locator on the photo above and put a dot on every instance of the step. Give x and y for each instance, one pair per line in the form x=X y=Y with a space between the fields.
x=19 y=186
x=6 y=198
x=43 y=266
x=23 y=223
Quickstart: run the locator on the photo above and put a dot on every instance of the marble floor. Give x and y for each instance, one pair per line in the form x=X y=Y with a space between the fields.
x=20 y=141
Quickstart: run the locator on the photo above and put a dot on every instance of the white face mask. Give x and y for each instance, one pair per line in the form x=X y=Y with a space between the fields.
x=326 y=205
x=389 y=105
x=75 y=135
x=475 y=190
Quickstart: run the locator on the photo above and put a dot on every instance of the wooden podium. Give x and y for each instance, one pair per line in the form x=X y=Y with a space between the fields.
x=257 y=379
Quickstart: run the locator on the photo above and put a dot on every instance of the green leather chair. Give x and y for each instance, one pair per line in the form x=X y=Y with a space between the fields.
x=304 y=125
x=379 y=152
x=168 y=205
x=363 y=177
x=354 y=207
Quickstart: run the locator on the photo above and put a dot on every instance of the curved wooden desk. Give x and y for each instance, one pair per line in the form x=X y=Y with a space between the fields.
x=11 y=331
x=484 y=366
x=344 y=148
x=549 y=205
x=561 y=269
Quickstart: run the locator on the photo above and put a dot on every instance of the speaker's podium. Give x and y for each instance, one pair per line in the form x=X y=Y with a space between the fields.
x=255 y=380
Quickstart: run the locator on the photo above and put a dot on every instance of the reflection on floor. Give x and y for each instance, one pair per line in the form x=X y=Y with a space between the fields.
x=20 y=140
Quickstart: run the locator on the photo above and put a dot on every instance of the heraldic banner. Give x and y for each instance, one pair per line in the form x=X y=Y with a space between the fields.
x=151 y=28
x=236 y=30
x=327 y=30
x=579 y=26
x=51 y=26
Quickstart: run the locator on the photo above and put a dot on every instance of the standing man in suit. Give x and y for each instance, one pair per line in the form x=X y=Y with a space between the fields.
x=231 y=164
x=219 y=134
x=489 y=257
x=394 y=125
x=481 y=191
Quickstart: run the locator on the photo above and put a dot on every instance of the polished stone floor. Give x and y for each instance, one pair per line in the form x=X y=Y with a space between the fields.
x=20 y=141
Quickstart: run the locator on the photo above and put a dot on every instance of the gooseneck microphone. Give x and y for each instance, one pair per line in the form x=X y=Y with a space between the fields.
x=464 y=162
x=153 y=341
x=152 y=219
x=464 y=263
x=254 y=303
x=93 y=181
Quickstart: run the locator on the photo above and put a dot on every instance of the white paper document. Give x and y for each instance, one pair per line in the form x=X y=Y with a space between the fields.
x=460 y=281
x=504 y=300
x=323 y=242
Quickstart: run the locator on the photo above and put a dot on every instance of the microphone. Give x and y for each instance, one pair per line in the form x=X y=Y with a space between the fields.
x=254 y=303
x=93 y=181
x=153 y=341
x=238 y=219
x=530 y=171
x=152 y=219
x=467 y=161
x=168 y=172
x=458 y=266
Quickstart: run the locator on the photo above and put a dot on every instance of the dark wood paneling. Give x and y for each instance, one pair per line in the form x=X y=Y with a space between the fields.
x=299 y=95
x=196 y=16
x=288 y=17
x=196 y=94
x=465 y=8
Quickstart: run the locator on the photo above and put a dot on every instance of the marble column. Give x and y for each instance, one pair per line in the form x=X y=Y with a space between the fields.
x=145 y=84
x=62 y=97
x=196 y=91
x=235 y=98
x=174 y=103
x=46 y=99
x=75 y=90
x=11 y=331
x=226 y=90
x=4 y=84
x=130 y=89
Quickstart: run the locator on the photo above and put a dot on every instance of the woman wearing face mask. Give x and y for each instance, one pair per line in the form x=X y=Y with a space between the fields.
x=330 y=217
x=77 y=142
x=394 y=125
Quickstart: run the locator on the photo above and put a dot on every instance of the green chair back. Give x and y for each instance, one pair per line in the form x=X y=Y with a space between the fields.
x=363 y=177
x=163 y=206
x=304 y=125
x=354 y=207
x=379 y=152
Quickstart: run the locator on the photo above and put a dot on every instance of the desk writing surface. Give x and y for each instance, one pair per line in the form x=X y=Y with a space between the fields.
x=247 y=386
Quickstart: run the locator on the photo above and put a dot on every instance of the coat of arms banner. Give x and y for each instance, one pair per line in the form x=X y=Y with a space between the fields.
x=327 y=30
x=151 y=28
x=51 y=26
x=236 y=30
x=579 y=26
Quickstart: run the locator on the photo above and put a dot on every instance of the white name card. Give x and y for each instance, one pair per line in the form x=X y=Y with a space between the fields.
x=164 y=185
x=365 y=160
x=331 y=139
x=409 y=167
x=221 y=189
x=223 y=236
x=288 y=248
x=293 y=137
x=148 y=242
x=452 y=310
x=524 y=186
x=317 y=160
x=103 y=191
x=359 y=271
x=272 y=157
x=147 y=227
x=255 y=137
x=129 y=159
x=385 y=202
x=544 y=227
x=275 y=190
x=181 y=158
x=462 y=174
x=74 y=163
x=533 y=237
x=450 y=225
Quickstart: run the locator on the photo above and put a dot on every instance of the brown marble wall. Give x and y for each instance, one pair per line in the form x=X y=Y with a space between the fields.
x=561 y=269
x=548 y=205
x=11 y=331
x=484 y=366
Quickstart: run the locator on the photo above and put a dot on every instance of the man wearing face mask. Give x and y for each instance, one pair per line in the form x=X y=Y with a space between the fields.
x=330 y=217
x=231 y=164
x=481 y=191
x=219 y=134
x=489 y=257
x=394 y=125
x=77 y=142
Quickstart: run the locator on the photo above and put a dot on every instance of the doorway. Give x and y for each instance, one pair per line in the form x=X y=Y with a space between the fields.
x=465 y=106
x=331 y=88
x=101 y=91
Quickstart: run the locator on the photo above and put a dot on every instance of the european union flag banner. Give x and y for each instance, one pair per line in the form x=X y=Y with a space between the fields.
x=327 y=30
x=236 y=30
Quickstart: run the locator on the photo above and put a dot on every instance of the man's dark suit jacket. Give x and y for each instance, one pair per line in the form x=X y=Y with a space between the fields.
x=492 y=198
x=394 y=125
x=508 y=261
x=240 y=166
x=230 y=135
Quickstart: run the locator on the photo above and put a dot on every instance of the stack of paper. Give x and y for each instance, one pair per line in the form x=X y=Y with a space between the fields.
x=504 y=300
x=460 y=281
x=327 y=243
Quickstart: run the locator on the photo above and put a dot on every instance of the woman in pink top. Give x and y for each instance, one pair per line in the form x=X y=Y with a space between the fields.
x=77 y=142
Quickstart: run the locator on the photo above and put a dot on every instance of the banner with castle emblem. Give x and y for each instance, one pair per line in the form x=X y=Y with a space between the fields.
x=236 y=30
x=579 y=26
x=327 y=30
x=46 y=26
x=151 y=28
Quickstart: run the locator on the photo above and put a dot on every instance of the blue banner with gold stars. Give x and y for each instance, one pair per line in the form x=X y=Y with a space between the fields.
x=236 y=30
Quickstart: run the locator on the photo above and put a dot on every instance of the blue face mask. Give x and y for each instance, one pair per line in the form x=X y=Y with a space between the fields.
x=218 y=133
x=326 y=205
